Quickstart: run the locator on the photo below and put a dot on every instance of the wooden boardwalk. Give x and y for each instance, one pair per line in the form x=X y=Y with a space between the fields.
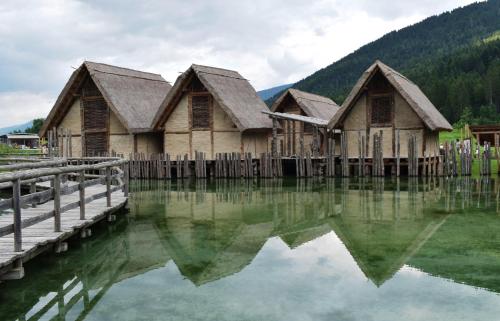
x=46 y=226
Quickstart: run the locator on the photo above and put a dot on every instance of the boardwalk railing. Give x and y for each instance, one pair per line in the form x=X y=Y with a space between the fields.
x=27 y=175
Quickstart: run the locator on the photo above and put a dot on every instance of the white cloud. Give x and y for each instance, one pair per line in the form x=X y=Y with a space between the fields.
x=269 y=42
x=20 y=107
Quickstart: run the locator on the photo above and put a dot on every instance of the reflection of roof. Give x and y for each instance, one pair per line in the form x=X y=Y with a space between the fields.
x=464 y=255
x=228 y=253
x=381 y=248
x=296 y=238
x=417 y=100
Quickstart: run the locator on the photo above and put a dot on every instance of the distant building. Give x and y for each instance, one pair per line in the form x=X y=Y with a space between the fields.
x=296 y=102
x=21 y=140
x=213 y=110
x=384 y=100
x=109 y=109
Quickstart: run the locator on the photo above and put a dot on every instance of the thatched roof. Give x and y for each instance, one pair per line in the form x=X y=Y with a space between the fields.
x=417 y=100
x=134 y=96
x=313 y=105
x=232 y=92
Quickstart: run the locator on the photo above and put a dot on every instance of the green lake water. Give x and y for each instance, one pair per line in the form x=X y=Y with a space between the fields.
x=294 y=250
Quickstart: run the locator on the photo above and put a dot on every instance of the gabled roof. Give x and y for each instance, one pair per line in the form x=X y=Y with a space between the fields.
x=417 y=100
x=134 y=96
x=232 y=92
x=313 y=105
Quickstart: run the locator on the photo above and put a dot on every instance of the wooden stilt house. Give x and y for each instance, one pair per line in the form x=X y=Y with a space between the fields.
x=383 y=101
x=108 y=109
x=213 y=110
x=318 y=108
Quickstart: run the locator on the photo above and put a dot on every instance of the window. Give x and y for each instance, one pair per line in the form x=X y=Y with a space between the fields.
x=200 y=106
x=381 y=110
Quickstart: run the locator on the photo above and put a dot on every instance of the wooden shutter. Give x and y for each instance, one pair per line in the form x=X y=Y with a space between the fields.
x=95 y=112
x=200 y=106
x=96 y=143
x=95 y=120
x=381 y=110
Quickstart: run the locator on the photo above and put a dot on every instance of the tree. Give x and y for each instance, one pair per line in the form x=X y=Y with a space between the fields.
x=37 y=125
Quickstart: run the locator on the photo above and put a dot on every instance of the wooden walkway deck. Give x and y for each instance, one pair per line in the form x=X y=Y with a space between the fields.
x=39 y=228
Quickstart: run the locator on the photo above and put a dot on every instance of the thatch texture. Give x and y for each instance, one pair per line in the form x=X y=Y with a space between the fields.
x=232 y=92
x=313 y=105
x=417 y=100
x=134 y=96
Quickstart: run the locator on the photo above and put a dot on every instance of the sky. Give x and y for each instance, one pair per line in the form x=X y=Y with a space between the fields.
x=270 y=42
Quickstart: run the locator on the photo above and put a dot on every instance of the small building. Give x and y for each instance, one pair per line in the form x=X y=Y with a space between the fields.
x=21 y=140
x=213 y=110
x=384 y=100
x=486 y=133
x=295 y=102
x=109 y=109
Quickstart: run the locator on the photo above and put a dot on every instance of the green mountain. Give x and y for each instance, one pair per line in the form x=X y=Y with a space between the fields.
x=419 y=51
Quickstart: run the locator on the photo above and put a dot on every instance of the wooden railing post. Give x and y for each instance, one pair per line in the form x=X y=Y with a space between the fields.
x=16 y=205
x=32 y=191
x=81 y=189
x=57 y=203
x=108 y=186
x=126 y=179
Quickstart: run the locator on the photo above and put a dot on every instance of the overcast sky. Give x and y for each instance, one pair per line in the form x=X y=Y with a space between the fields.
x=269 y=42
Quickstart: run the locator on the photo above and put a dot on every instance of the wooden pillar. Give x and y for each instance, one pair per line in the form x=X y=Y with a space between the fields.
x=57 y=203
x=16 y=205
x=274 y=144
x=108 y=186
x=81 y=192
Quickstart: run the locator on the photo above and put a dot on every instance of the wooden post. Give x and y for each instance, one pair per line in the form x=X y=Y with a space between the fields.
x=398 y=154
x=57 y=203
x=108 y=186
x=274 y=144
x=16 y=205
x=32 y=191
x=81 y=192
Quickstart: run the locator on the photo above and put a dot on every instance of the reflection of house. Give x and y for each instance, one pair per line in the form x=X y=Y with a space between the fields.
x=212 y=110
x=383 y=230
x=384 y=100
x=465 y=255
x=27 y=140
x=109 y=108
x=301 y=103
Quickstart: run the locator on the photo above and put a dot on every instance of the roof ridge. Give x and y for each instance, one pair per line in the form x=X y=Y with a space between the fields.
x=331 y=102
x=120 y=67
x=130 y=76
x=391 y=70
x=217 y=68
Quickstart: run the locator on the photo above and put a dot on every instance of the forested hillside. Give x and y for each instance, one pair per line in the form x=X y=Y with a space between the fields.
x=424 y=52
x=464 y=85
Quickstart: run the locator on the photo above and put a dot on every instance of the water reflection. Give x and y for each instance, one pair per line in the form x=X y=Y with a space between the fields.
x=207 y=234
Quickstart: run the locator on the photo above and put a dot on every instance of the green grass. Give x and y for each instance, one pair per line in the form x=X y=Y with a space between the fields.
x=454 y=135
x=5 y=149
x=447 y=136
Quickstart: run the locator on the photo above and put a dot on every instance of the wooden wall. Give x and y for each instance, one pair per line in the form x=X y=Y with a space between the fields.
x=404 y=119
x=290 y=106
x=222 y=135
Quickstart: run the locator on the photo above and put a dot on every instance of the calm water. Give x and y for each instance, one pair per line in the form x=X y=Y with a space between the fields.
x=279 y=250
